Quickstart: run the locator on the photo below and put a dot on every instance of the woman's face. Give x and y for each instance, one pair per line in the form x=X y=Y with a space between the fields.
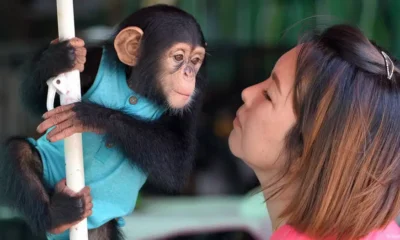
x=266 y=116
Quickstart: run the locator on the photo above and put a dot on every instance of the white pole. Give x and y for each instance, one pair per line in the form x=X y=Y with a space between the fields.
x=72 y=145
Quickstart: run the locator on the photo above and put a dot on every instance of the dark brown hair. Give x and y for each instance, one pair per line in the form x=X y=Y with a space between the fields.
x=344 y=151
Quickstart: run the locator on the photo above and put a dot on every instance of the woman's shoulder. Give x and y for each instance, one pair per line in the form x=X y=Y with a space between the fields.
x=288 y=232
x=392 y=231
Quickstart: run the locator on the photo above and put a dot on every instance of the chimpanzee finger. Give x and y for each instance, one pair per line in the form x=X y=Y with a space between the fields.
x=58 y=110
x=61 y=127
x=80 y=51
x=76 y=42
x=66 y=133
x=61 y=185
x=80 y=60
x=80 y=63
x=88 y=203
x=87 y=213
x=87 y=198
x=79 y=67
x=85 y=191
x=54 y=120
x=88 y=206
x=55 y=41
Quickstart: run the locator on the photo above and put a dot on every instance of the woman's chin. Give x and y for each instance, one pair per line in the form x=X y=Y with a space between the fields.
x=233 y=144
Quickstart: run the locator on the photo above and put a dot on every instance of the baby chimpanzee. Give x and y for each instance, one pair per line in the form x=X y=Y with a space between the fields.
x=141 y=93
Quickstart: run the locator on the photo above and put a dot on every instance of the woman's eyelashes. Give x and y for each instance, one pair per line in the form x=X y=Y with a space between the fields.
x=266 y=95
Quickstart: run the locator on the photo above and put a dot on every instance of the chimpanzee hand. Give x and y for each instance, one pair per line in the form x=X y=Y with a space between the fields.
x=65 y=56
x=74 y=118
x=68 y=208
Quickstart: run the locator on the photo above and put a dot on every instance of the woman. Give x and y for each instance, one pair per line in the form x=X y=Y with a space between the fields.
x=322 y=134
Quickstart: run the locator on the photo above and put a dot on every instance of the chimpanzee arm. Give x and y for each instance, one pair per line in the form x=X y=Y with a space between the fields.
x=22 y=188
x=21 y=171
x=49 y=62
x=164 y=149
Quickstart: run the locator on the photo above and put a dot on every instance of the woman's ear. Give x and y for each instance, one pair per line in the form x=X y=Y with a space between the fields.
x=127 y=44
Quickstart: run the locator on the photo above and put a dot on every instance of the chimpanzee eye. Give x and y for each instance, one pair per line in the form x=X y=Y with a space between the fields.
x=178 y=57
x=195 y=61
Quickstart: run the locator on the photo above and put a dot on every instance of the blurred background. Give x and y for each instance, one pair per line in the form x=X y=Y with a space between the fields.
x=245 y=38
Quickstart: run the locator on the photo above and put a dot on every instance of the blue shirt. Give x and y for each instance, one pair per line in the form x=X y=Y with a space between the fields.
x=113 y=179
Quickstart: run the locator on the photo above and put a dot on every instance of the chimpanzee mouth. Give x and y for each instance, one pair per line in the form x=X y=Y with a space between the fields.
x=183 y=94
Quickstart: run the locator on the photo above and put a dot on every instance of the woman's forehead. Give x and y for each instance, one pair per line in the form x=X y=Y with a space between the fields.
x=285 y=67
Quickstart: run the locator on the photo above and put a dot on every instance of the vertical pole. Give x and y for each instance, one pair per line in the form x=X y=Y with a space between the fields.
x=73 y=144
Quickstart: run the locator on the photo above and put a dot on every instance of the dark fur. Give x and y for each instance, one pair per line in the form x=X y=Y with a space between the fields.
x=177 y=23
x=22 y=184
x=109 y=231
x=163 y=148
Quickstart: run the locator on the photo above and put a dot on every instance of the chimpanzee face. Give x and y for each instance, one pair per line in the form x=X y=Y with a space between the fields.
x=180 y=65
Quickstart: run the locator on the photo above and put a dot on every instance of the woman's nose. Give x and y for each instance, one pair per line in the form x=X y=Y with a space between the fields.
x=244 y=95
x=247 y=95
x=252 y=92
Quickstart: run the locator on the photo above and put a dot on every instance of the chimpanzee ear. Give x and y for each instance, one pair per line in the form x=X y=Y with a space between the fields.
x=127 y=44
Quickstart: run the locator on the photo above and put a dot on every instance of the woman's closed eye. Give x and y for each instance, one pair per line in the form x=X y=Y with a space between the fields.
x=266 y=95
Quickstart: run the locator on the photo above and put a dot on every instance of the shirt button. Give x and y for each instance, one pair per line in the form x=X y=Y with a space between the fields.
x=109 y=145
x=133 y=100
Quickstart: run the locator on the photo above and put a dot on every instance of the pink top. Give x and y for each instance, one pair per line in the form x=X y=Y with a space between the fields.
x=392 y=232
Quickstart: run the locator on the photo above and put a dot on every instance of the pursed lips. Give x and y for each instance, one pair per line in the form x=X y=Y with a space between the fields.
x=236 y=121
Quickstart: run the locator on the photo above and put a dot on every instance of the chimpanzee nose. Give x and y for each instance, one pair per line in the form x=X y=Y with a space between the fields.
x=188 y=71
